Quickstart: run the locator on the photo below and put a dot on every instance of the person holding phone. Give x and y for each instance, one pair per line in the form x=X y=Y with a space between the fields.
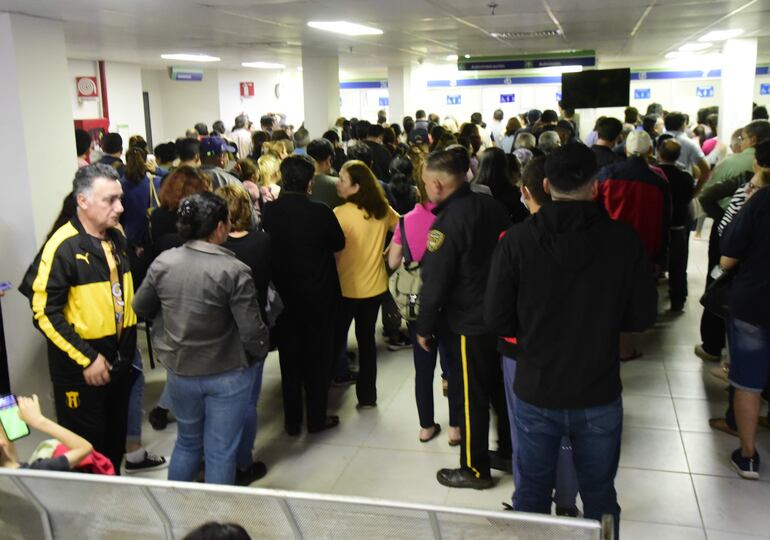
x=27 y=411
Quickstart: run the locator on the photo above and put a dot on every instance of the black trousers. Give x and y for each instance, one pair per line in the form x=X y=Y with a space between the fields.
x=391 y=317
x=99 y=414
x=306 y=355
x=679 y=251
x=712 y=328
x=364 y=312
x=481 y=384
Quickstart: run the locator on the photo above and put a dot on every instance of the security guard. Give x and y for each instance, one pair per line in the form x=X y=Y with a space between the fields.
x=81 y=301
x=454 y=273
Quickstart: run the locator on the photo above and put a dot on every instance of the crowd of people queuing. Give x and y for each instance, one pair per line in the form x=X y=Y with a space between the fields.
x=537 y=253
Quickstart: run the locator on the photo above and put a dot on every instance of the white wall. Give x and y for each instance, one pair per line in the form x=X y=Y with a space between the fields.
x=290 y=100
x=124 y=97
x=83 y=109
x=151 y=84
x=35 y=101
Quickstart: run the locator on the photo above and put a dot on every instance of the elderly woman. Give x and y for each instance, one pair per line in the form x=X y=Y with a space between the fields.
x=209 y=335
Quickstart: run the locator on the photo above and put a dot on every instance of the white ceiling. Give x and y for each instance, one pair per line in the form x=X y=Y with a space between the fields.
x=633 y=32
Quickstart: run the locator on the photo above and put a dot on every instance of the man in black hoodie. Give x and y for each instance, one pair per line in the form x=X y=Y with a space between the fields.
x=566 y=282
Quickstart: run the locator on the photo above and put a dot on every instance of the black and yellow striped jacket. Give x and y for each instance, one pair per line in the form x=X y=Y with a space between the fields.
x=72 y=302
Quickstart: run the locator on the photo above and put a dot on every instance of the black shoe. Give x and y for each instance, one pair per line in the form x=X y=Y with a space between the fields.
x=499 y=462
x=747 y=467
x=398 y=342
x=462 y=478
x=151 y=462
x=158 y=418
x=329 y=422
x=252 y=474
x=346 y=380
x=293 y=430
x=570 y=511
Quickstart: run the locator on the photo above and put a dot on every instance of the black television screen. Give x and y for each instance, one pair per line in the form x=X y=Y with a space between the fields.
x=596 y=88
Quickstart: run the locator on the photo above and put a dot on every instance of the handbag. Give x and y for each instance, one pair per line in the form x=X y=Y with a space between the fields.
x=716 y=297
x=405 y=283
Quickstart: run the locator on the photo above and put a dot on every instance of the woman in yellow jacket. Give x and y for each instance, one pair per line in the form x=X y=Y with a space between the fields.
x=365 y=218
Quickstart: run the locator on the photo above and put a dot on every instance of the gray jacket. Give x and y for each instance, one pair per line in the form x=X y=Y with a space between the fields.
x=203 y=304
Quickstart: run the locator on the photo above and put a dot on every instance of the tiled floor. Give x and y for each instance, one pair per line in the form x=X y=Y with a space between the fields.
x=674 y=482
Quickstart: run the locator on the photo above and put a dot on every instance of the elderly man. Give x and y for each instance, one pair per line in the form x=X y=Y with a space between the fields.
x=82 y=304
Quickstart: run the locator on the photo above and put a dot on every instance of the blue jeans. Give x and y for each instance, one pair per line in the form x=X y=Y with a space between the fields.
x=134 y=431
x=244 y=458
x=566 y=476
x=595 y=434
x=210 y=413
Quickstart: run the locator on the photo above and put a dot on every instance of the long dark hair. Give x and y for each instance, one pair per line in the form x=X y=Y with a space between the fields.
x=401 y=186
x=198 y=215
x=370 y=196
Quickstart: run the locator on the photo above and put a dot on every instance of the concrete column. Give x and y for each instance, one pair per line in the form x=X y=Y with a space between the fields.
x=321 y=89
x=399 y=93
x=38 y=155
x=738 y=73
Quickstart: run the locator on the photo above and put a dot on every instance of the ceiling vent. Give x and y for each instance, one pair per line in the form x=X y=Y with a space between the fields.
x=526 y=35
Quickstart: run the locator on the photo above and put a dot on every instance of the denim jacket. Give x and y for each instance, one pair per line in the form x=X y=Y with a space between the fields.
x=203 y=303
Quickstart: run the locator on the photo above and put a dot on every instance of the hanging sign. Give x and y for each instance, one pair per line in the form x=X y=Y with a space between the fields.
x=454 y=100
x=507 y=98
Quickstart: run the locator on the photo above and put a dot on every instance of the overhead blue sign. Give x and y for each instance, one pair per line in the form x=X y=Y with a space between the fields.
x=764 y=89
x=507 y=98
x=704 y=91
x=384 y=102
x=642 y=93
x=558 y=96
x=482 y=65
x=454 y=100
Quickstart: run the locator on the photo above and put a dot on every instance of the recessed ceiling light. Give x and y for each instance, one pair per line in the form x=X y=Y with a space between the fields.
x=187 y=57
x=721 y=35
x=466 y=56
x=262 y=65
x=299 y=68
x=695 y=46
x=451 y=57
x=345 y=27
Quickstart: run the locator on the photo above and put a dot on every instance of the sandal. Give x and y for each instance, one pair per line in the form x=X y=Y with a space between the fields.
x=720 y=424
x=436 y=431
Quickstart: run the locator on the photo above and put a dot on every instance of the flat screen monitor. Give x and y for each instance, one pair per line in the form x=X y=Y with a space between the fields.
x=596 y=88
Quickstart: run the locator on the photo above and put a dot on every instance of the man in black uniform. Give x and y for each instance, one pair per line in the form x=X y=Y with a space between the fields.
x=304 y=236
x=454 y=274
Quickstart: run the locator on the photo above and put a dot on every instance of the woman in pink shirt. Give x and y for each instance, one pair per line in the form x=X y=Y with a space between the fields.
x=417 y=224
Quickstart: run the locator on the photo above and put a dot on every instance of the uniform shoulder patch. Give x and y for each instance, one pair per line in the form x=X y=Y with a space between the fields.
x=435 y=239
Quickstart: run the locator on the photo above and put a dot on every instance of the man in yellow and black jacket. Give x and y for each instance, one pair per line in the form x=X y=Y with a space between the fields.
x=81 y=301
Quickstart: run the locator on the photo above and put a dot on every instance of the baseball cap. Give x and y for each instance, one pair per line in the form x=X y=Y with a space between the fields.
x=211 y=146
x=638 y=142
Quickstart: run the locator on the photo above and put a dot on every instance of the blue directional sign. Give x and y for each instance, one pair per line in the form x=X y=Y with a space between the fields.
x=558 y=96
x=764 y=89
x=507 y=98
x=384 y=102
x=704 y=91
x=642 y=93
x=454 y=100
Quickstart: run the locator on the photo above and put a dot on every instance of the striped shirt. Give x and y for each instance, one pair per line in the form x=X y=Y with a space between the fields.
x=736 y=203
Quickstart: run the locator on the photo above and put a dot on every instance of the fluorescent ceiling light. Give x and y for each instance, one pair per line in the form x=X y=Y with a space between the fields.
x=466 y=55
x=345 y=27
x=721 y=35
x=695 y=46
x=451 y=57
x=187 y=57
x=560 y=69
x=299 y=68
x=262 y=65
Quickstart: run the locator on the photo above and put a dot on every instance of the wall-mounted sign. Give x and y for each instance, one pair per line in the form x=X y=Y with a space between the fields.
x=247 y=89
x=185 y=74
x=384 y=102
x=764 y=89
x=704 y=91
x=454 y=100
x=507 y=98
x=577 y=58
x=87 y=87
x=642 y=93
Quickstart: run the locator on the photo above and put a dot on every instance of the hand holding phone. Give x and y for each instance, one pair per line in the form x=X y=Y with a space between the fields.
x=29 y=410
x=14 y=426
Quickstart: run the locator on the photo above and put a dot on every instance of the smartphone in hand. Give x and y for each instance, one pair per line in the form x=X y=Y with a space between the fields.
x=15 y=428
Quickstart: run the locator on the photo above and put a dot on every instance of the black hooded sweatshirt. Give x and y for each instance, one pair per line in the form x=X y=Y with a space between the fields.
x=565 y=282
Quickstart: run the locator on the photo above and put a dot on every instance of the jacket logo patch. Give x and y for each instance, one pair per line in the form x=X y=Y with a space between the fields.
x=435 y=239
x=83 y=257
x=73 y=399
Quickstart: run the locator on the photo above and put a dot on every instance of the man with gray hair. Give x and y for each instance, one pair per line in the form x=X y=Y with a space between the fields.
x=81 y=303
x=241 y=136
x=549 y=141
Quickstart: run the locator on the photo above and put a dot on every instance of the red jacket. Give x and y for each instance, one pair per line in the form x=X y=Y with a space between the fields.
x=633 y=193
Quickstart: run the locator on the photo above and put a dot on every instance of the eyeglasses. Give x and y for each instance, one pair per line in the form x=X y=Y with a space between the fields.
x=753 y=187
